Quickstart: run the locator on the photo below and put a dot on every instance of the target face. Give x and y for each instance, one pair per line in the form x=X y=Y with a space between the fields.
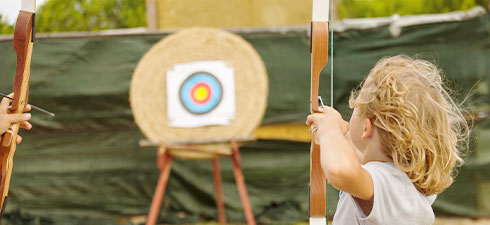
x=155 y=93
x=201 y=93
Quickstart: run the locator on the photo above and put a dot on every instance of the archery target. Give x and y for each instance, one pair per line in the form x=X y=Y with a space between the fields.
x=200 y=93
x=199 y=84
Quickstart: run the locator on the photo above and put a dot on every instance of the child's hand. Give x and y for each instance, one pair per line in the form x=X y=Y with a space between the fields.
x=7 y=119
x=329 y=120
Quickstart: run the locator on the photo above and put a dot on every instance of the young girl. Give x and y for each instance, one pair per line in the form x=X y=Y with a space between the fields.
x=399 y=149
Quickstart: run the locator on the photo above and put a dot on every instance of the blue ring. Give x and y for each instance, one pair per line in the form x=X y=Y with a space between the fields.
x=190 y=82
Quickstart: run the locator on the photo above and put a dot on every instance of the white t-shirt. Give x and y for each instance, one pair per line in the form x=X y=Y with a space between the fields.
x=396 y=200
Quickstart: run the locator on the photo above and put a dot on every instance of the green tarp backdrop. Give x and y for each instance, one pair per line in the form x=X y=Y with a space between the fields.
x=85 y=166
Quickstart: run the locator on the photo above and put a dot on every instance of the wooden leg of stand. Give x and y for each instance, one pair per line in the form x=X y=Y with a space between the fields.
x=240 y=182
x=218 y=191
x=164 y=161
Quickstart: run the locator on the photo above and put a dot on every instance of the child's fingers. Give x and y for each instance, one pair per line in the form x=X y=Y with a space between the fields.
x=313 y=129
x=312 y=118
x=4 y=105
x=328 y=109
x=309 y=120
x=27 y=108
x=26 y=125
x=19 y=139
x=17 y=118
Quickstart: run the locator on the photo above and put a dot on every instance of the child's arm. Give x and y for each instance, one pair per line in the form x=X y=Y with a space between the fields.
x=339 y=160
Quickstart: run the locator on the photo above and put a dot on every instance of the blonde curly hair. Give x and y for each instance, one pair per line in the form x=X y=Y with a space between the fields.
x=419 y=124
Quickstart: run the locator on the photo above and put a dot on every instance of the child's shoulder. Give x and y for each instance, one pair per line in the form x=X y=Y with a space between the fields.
x=387 y=175
x=394 y=195
x=392 y=184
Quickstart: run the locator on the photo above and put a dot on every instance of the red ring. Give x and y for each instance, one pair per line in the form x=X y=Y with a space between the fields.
x=197 y=85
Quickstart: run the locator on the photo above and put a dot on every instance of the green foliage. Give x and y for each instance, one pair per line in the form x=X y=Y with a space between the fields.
x=381 y=8
x=5 y=28
x=90 y=15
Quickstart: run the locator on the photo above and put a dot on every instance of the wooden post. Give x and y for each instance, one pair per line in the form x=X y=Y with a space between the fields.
x=151 y=15
x=164 y=162
x=240 y=182
x=218 y=191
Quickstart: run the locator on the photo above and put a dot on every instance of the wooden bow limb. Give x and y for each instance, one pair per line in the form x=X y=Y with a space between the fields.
x=23 y=43
x=319 y=58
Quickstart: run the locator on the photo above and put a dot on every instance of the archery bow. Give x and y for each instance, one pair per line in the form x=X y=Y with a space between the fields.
x=23 y=42
x=319 y=58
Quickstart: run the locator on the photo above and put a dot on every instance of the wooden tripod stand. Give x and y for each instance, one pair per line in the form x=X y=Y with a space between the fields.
x=164 y=163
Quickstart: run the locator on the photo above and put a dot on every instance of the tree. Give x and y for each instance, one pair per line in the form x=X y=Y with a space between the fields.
x=380 y=8
x=90 y=15
x=5 y=28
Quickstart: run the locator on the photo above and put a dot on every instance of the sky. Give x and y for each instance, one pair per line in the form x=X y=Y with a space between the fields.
x=10 y=9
